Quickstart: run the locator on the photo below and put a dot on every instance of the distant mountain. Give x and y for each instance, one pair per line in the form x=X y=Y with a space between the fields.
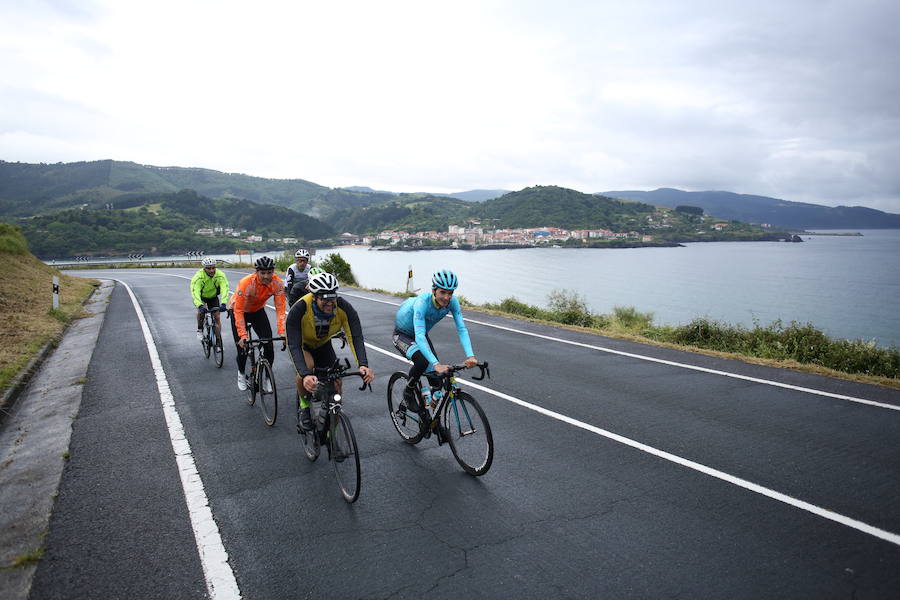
x=478 y=195
x=762 y=209
x=31 y=189
x=468 y=196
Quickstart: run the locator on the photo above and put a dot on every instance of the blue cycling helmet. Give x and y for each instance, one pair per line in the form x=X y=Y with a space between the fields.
x=445 y=279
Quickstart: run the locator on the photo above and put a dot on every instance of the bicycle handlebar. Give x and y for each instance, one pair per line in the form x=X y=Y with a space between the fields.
x=455 y=368
x=339 y=371
x=257 y=341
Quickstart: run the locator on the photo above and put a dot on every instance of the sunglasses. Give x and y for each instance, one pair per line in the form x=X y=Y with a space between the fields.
x=327 y=297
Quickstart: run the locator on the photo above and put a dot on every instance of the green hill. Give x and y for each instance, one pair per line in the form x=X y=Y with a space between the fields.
x=561 y=207
x=32 y=189
x=165 y=224
x=762 y=209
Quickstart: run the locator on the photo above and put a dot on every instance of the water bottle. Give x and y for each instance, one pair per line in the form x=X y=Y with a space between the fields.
x=426 y=395
x=436 y=398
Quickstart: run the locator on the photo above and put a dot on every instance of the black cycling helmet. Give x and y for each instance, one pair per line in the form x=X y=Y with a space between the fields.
x=264 y=264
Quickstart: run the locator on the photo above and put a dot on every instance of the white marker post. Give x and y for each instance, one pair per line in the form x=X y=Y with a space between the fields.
x=55 y=292
x=409 y=281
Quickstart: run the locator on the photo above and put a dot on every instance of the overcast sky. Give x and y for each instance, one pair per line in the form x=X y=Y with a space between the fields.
x=798 y=100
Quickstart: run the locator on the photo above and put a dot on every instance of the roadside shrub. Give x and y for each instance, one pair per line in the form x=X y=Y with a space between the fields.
x=11 y=240
x=340 y=268
x=570 y=308
x=628 y=318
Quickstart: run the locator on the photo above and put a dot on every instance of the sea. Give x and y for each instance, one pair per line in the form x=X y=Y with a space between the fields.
x=847 y=286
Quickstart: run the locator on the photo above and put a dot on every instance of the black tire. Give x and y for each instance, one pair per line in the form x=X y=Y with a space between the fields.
x=344 y=456
x=219 y=352
x=406 y=422
x=268 y=393
x=308 y=438
x=467 y=429
x=251 y=386
x=205 y=340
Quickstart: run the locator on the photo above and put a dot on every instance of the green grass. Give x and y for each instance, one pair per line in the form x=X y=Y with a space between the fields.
x=26 y=559
x=792 y=343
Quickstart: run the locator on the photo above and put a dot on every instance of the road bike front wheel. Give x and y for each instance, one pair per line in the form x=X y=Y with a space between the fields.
x=251 y=385
x=467 y=429
x=344 y=456
x=268 y=395
x=205 y=341
x=406 y=422
x=308 y=437
x=219 y=352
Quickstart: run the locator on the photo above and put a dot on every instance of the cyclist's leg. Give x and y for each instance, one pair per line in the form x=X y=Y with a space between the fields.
x=240 y=355
x=263 y=329
x=304 y=417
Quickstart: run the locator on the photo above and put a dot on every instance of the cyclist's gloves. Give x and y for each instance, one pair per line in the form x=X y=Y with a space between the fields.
x=202 y=308
x=222 y=308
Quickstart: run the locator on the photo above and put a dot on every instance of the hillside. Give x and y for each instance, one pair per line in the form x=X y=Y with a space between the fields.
x=762 y=209
x=31 y=189
x=164 y=224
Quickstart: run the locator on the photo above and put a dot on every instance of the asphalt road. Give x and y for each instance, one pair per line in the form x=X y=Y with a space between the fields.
x=621 y=470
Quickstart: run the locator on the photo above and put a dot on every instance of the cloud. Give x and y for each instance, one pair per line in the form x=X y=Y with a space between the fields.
x=793 y=100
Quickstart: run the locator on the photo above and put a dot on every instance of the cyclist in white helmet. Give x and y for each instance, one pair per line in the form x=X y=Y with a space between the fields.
x=297 y=276
x=311 y=323
x=209 y=289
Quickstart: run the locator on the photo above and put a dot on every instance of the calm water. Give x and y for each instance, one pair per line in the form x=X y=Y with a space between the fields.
x=847 y=286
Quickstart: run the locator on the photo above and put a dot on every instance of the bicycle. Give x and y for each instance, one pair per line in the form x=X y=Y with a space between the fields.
x=451 y=414
x=212 y=340
x=260 y=380
x=332 y=429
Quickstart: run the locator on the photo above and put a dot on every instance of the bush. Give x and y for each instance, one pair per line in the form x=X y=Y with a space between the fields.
x=570 y=308
x=11 y=240
x=340 y=268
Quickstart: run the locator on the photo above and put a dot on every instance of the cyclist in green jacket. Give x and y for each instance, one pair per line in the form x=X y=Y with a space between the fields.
x=209 y=289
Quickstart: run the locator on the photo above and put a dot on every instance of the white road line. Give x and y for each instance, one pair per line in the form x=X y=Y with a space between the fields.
x=701 y=468
x=669 y=362
x=220 y=581
x=690 y=464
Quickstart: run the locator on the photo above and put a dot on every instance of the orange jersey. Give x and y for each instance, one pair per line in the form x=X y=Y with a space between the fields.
x=251 y=295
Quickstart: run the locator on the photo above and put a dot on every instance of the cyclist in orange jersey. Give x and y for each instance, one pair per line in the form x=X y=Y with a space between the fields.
x=249 y=306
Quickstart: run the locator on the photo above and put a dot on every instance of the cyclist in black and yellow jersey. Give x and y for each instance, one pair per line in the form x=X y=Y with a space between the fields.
x=311 y=323
x=209 y=289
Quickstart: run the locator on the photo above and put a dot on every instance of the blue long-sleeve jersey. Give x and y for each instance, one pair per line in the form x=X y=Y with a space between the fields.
x=417 y=315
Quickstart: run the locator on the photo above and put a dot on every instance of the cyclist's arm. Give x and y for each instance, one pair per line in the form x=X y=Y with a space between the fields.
x=461 y=330
x=295 y=338
x=239 y=322
x=223 y=287
x=196 y=284
x=280 y=304
x=357 y=344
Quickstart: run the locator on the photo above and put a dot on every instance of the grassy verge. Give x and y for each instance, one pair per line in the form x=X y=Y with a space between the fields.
x=27 y=318
x=795 y=345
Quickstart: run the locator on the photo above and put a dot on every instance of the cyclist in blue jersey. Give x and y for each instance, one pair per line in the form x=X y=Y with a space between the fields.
x=415 y=318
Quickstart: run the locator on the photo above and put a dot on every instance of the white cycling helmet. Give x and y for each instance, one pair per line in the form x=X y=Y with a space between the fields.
x=324 y=285
x=208 y=261
x=302 y=253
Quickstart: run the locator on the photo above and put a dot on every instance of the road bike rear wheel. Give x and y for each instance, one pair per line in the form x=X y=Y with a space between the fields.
x=406 y=422
x=268 y=395
x=219 y=352
x=344 y=456
x=467 y=429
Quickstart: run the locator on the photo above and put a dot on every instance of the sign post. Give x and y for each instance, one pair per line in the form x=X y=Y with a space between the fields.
x=55 y=292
